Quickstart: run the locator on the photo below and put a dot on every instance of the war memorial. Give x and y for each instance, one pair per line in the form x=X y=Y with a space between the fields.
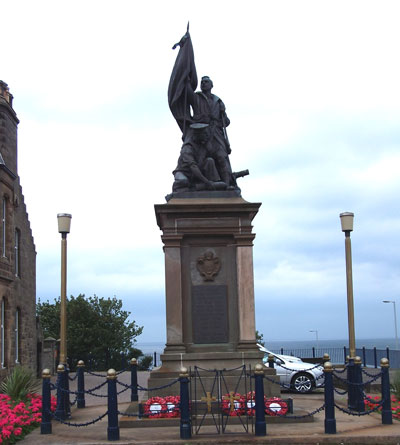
x=207 y=237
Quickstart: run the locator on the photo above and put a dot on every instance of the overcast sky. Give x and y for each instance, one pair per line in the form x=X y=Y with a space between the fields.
x=312 y=92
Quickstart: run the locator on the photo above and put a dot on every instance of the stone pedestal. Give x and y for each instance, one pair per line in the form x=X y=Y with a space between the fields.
x=208 y=246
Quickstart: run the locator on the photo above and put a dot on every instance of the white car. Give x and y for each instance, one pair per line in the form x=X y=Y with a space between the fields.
x=295 y=374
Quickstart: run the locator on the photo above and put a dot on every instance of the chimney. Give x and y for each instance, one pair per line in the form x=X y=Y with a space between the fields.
x=5 y=93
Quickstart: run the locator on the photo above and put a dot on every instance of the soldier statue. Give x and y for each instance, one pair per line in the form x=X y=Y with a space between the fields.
x=204 y=162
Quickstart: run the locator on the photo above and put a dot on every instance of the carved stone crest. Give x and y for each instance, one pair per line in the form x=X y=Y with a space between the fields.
x=208 y=265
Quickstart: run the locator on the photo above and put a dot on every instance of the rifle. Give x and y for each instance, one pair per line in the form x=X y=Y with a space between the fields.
x=240 y=174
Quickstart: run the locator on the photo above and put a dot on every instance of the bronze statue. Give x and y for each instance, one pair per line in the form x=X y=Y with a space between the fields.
x=196 y=169
x=189 y=107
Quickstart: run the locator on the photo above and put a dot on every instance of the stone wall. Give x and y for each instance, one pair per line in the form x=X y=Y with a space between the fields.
x=17 y=252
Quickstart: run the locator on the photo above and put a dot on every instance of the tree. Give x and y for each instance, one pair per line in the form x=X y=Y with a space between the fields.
x=98 y=330
x=260 y=338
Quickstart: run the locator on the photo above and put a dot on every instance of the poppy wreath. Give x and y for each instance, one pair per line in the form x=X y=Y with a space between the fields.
x=276 y=407
x=155 y=407
x=238 y=405
x=172 y=406
x=250 y=403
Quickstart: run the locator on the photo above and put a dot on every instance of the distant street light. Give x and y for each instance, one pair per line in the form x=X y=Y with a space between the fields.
x=64 y=225
x=316 y=336
x=395 y=321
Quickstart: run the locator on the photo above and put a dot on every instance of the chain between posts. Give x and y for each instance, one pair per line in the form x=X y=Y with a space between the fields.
x=316 y=411
x=156 y=387
x=78 y=425
x=95 y=374
x=358 y=413
x=368 y=374
x=318 y=365
x=341 y=393
x=113 y=412
x=358 y=384
x=342 y=371
x=86 y=391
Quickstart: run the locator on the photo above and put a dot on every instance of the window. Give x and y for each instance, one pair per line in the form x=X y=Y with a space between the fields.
x=3 y=227
x=17 y=335
x=2 y=333
x=17 y=262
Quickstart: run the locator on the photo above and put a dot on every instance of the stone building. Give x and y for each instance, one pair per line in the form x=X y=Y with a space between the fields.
x=18 y=342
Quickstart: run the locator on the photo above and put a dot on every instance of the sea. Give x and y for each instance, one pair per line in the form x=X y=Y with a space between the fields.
x=380 y=343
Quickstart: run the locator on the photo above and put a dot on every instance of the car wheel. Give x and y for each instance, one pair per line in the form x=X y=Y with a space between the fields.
x=302 y=383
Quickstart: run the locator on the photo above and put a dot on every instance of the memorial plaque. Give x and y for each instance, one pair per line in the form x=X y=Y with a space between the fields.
x=210 y=314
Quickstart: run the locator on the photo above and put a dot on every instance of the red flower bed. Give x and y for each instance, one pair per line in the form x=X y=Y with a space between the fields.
x=394 y=402
x=18 y=419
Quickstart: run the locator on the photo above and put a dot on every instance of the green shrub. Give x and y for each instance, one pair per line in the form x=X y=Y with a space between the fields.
x=19 y=383
x=145 y=363
x=395 y=385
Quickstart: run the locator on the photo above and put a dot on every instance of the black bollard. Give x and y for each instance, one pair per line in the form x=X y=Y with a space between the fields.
x=185 y=426
x=80 y=398
x=358 y=387
x=113 y=428
x=66 y=393
x=45 y=425
x=387 y=418
x=351 y=390
x=60 y=410
x=134 y=390
x=330 y=421
x=261 y=426
x=270 y=360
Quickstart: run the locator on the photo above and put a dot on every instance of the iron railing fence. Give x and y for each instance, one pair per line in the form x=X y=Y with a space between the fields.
x=370 y=357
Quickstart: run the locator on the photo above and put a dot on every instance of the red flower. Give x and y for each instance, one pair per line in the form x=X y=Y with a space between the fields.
x=17 y=431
